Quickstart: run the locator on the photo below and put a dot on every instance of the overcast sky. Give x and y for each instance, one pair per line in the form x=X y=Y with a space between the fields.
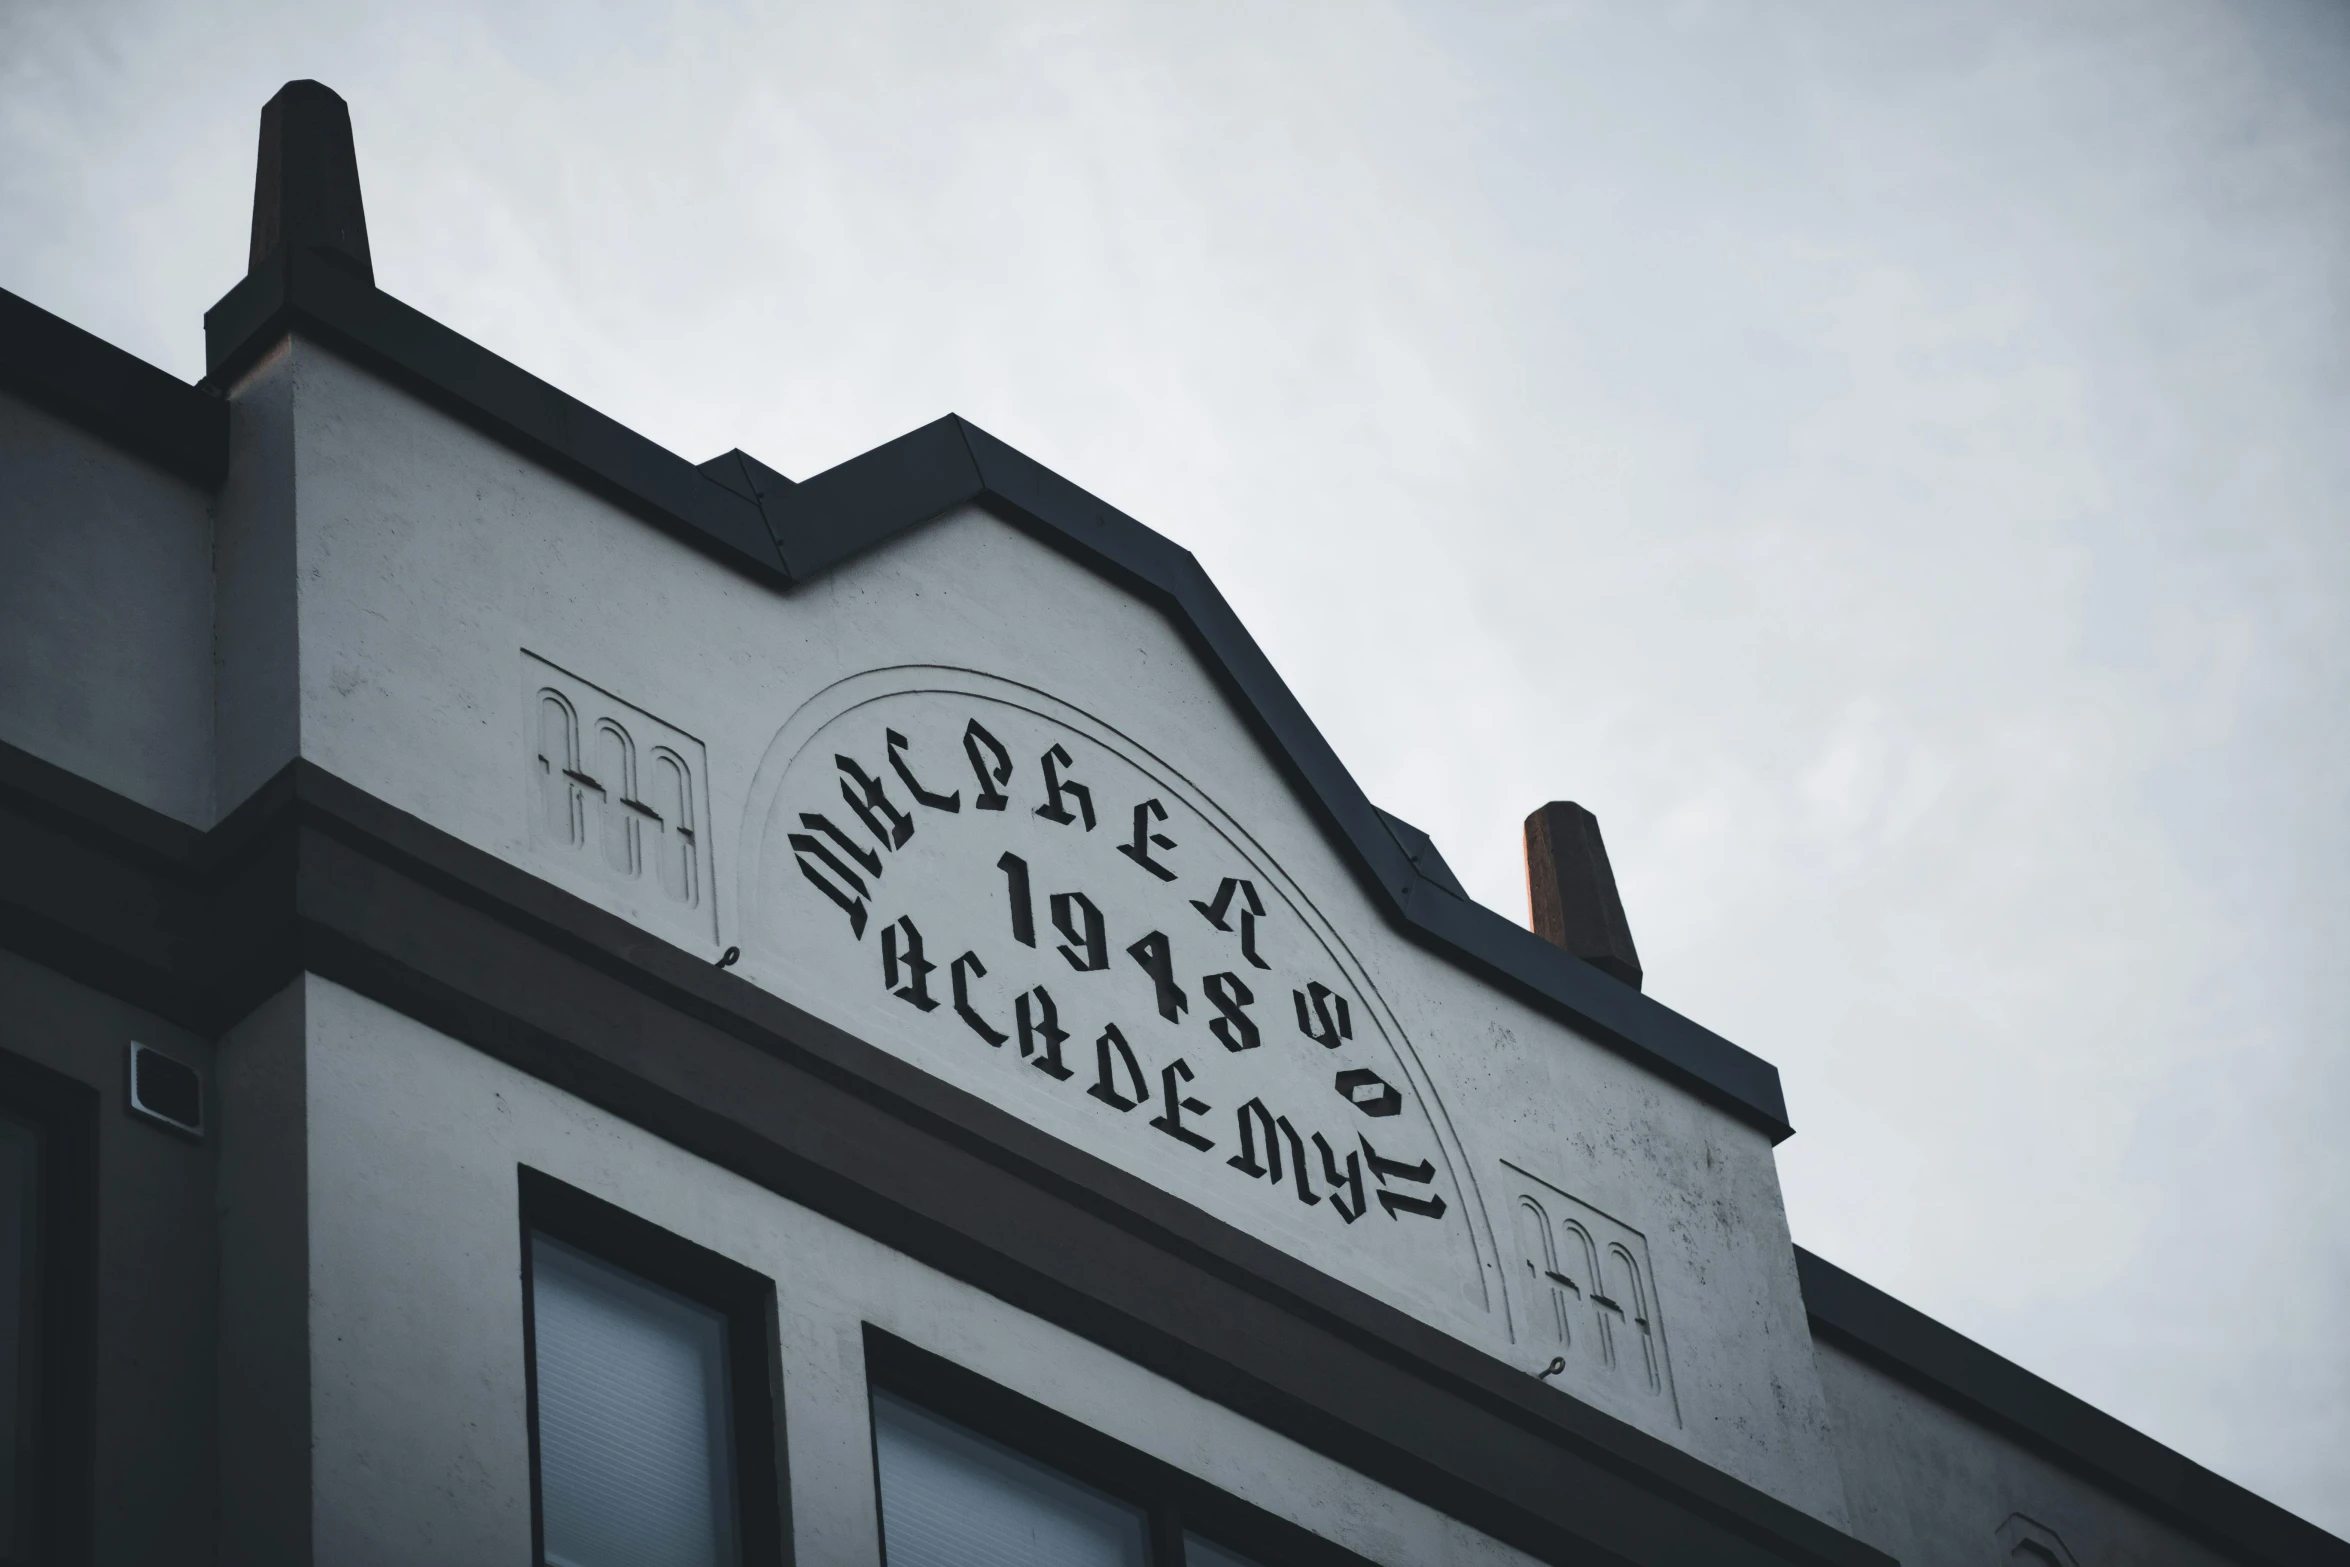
x=1890 y=461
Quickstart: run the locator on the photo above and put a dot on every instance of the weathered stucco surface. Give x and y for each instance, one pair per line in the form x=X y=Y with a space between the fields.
x=419 y=1447
x=428 y=561
x=105 y=614
x=1936 y=1489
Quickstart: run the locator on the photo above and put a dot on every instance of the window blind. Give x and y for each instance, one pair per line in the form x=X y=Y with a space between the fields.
x=636 y=1467
x=1206 y=1553
x=950 y=1498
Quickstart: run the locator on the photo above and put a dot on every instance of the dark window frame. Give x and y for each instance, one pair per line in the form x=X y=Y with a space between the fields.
x=63 y=1404
x=1174 y=1500
x=754 y=1361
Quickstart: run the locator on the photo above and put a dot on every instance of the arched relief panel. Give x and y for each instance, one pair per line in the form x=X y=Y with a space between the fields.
x=617 y=798
x=1008 y=892
x=1587 y=1293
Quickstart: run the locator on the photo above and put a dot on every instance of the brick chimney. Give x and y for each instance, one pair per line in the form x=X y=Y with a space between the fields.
x=1573 y=891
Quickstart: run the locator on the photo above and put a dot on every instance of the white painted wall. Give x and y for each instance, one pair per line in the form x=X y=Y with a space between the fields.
x=420 y=1451
x=1933 y=1487
x=105 y=613
x=258 y=709
x=429 y=558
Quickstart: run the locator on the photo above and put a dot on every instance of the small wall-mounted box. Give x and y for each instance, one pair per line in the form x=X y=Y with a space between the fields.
x=165 y=1091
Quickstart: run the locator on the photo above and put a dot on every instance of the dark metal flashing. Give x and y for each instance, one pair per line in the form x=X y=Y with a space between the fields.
x=306 y=291
x=116 y=396
x=1956 y=1371
x=748 y=516
x=748 y=477
x=314 y=875
x=1421 y=850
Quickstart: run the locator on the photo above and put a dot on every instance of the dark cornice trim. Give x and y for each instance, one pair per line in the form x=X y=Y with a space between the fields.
x=745 y=514
x=116 y=396
x=1956 y=1371
x=314 y=875
x=309 y=292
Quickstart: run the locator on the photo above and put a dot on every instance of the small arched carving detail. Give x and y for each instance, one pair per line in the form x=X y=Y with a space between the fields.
x=562 y=804
x=617 y=806
x=672 y=820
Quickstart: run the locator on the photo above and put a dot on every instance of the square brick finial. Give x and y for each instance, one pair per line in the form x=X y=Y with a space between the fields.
x=1573 y=891
x=306 y=181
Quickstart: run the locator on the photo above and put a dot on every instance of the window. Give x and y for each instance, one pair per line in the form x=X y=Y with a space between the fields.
x=951 y=1498
x=1199 y=1553
x=48 y=1240
x=652 y=1393
x=969 y=1474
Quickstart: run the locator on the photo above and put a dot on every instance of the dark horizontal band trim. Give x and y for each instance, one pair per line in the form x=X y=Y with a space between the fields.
x=749 y=516
x=316 y=875
x=1961 y=1373
x=114 y=395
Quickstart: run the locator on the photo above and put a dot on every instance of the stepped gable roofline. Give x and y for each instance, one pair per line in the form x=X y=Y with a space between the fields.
x=116 y=396
x=746 y=515
x=1957 y=1371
